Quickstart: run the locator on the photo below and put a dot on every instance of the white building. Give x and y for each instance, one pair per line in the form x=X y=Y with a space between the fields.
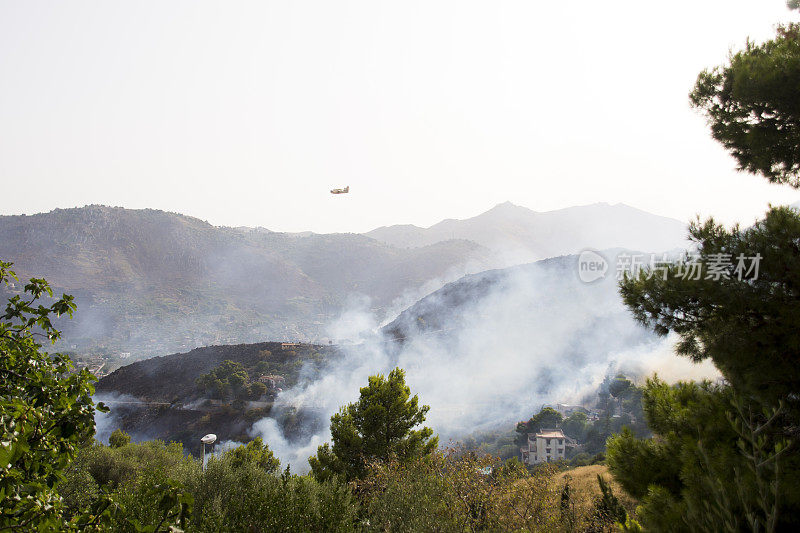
x=273 y=383
x=545 y=446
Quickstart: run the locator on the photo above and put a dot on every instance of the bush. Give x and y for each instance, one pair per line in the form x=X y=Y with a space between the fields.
x=118 y=439
x=457 y=491
x=243 y=496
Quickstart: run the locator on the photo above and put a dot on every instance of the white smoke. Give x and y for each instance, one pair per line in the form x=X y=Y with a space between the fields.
x=106 y=423
x=535 y=335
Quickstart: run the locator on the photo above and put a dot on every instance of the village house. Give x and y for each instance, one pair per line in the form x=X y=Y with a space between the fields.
x=272 y=382
x=544 y=447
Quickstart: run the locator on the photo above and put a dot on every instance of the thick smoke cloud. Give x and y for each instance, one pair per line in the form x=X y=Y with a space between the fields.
x=106 y=423
x=532 y=335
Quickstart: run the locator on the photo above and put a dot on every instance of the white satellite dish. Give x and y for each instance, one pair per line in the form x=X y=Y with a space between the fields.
x=207 y=439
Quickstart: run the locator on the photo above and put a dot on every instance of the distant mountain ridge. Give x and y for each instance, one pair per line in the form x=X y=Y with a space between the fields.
x=508 y=228
x=165 y=282
x=154 y=282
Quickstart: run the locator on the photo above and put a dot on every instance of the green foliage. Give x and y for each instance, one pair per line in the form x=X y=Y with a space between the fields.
x=608 y=510
x=719 y=461
x=228 y=379
x=547 y=418
x=152 y=483
x=380 y=426
x=590 y=435
x=111 y=467
x=716 y=462
x=257 y=390
x=47 y=415
x=257 y=453
x=454 y=490
x=118 y=439
x=638 y=463
x=752 y=106
x=620 y=386
x=576 y=425
x=496 y=442
x=581 y=459
x=46 y=409
x=154 y=503
x=236 y=495
x=749 y=328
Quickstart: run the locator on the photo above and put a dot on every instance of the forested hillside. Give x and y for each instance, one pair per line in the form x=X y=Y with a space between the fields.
x=166 y=397
x=152 y=282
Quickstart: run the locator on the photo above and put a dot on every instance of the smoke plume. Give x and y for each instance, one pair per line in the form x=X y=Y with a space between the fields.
x=483 y=352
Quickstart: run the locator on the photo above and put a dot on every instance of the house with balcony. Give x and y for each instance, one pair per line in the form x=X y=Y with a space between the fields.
x=546 y=446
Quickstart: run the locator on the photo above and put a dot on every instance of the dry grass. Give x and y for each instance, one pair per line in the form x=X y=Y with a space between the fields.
x=583 y=481
x=585 y=489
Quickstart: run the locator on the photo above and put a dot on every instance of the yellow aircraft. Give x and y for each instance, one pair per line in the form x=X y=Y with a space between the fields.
x=341 y=191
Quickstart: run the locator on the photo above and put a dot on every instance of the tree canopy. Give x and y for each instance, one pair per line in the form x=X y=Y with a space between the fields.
x=46 y=407
x=753 y=108
x=749 y=328
x=703 y=472
x=378 y=427
x=546 y=418
x=719 y=461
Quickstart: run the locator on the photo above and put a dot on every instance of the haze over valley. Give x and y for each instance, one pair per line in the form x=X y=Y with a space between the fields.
x=149 y=282
x=487 y=315
x=400 y=266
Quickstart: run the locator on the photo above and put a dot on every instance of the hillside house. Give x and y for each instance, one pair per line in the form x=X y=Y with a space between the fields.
x=272 y=382
x=544 y=447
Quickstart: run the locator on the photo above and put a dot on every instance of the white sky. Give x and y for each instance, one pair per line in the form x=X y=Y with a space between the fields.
x=246 y=113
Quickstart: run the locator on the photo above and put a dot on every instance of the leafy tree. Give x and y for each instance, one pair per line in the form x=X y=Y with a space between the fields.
x=752 y=106
x=747 y=325
x=228 y=379
x=236 y=493
x=694 y=475
x=575 y=425
x=118 y=439
x=620 y=386
x=547 y=418
x=46 y=408
x=255 y=452
x=46 y=416
x=380 y=426
x=719 y=461
x=749 y=328
x=257 y=390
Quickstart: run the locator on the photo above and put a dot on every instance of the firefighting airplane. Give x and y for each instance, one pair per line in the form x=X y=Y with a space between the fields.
x=341 y=191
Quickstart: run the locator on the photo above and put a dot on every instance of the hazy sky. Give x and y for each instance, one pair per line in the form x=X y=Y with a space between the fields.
x=246 y=113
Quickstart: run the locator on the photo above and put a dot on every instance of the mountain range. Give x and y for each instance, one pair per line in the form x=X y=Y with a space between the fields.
x=511 y=229
x=152 y=282
x=486 y=347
